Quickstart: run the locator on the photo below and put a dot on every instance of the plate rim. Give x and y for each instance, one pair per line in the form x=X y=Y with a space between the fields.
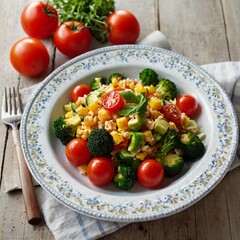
x=127 y=47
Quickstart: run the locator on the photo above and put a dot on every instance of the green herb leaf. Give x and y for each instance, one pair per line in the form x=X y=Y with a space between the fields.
x=138 y=103
x=92 y=13
x=129 y=96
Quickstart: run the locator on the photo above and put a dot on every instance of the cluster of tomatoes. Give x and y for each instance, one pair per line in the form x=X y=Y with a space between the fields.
x=40 y=20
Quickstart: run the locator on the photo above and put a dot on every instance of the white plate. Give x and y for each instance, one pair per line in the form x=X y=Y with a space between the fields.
x=46 y=158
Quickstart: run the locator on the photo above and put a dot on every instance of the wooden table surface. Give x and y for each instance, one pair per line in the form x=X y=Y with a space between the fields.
x=204 y=30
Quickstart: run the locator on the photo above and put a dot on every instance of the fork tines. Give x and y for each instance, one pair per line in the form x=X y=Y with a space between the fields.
x=12 y=101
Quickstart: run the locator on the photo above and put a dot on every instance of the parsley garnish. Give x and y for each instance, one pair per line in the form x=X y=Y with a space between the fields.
x=92 y=13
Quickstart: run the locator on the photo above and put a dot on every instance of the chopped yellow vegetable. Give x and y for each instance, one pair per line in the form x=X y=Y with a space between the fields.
x=151 y=89
x=141 y=155
x=82 y=110
x=69 y=114
x=122 y=123
x=94 y=107
x=90 y=121
x=115 y=82
x=139 y=88
x=155 y=103
x=117 y=137
x=104 y=115
x=148 y=137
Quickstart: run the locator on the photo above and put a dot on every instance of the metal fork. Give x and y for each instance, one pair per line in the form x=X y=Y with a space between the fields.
x=11 y=115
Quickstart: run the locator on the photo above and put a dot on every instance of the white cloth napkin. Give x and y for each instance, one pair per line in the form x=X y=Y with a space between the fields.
x=66 y=224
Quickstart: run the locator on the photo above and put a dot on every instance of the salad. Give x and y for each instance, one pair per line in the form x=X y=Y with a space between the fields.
x=124 y=130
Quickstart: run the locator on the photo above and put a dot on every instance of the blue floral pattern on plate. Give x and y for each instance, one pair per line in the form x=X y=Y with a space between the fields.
x=41 y=150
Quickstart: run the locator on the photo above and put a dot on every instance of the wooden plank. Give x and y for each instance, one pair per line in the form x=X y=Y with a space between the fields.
x=212 y=215
x=232 y=201
x=13 y=220
x=231 y=10
x=195 y=29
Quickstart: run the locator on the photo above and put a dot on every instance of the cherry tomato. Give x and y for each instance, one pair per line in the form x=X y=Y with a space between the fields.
x=172 y=113
x=72 y=38
x=150 y=173
x=77 y=152
x=100 y=171
x=39 y=19
x=124 y=27
x=113 y=101
x=187 y=104
x=29 y=57
x=79 y=91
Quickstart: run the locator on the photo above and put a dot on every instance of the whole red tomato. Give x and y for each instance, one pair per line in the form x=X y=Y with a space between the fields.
x=29 y=57
x=188 y=104
x=124 y=27
x=79 y=91
x=77 y=152
x=39 y=19
x=72 y=38
x=150 y=173
x=100 y=171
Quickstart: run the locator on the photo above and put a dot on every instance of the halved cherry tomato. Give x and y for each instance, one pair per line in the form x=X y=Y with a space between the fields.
x=77 y=152
x=124 y=27
x=187 y=104
x=79 y=91
x=172 y=113
x=113 y=101
x=39 y=19
x=100 y=171
x=150 y=173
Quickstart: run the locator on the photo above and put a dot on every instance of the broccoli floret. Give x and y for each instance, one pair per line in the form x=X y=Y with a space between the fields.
x=171 y=141
x=149 y=77
x=64 y=130
x=98 y=82
x=172 y=164
x=193 y=147
x=100 y=142
x=115 y=76
x=167 y=89
x=126 y=174
x=125 y=156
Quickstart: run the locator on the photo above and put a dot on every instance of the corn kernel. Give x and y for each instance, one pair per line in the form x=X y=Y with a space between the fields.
x=122 y=123
x=155 y=103
x=104 y=115
x=139 y=88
